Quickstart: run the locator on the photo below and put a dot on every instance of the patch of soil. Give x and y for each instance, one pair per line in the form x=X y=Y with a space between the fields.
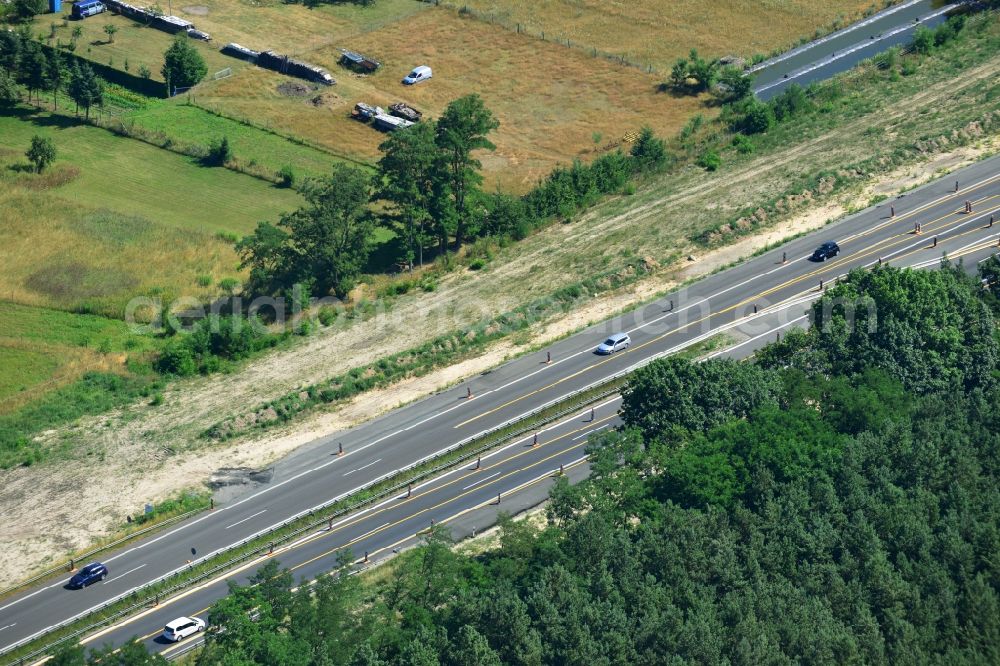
x=195 y=10
x=325 y=99
x=238 y=476
x=294 y=89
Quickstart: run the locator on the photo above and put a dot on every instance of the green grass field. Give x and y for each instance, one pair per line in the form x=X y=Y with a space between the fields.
x=137 y=179
x=42 y=350
x=134 y=43
x=115 y=218
x=191 y=124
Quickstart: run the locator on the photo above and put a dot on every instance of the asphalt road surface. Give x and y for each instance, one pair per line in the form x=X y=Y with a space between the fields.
x=841 y=50
x=748 y=302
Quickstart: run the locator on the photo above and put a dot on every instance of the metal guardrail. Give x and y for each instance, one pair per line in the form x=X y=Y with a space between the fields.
x=66 y=566
x=313 y=525
x=609 y=385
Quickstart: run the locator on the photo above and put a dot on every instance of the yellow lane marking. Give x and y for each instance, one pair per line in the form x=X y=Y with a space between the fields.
x=460 y=513
x=827 y=267
x=470 y=474
x=302 y=542
x=443 y=503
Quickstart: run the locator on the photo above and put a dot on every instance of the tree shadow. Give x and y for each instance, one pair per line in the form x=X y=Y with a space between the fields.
x=672 y=91
x=385 y=255
x=54 y=121
x=41 y=117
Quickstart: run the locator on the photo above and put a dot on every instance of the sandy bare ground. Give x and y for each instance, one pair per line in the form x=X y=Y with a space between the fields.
x=144 y=453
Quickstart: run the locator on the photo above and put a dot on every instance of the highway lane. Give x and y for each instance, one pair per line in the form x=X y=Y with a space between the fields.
x=841 y=50
x=461 y=501
x=317 y=474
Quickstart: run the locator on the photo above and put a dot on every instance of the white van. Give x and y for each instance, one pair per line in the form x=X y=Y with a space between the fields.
x=418 y=74
x=183 y=627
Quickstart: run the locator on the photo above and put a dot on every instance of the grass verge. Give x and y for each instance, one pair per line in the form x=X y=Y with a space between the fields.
x=442 y=351
x=295 y=528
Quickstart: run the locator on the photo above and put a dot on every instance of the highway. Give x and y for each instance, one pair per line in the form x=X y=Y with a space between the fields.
x=843 y=49
x=749 y=302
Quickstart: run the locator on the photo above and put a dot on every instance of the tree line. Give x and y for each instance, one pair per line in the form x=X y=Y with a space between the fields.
x=834 y=500
x=427 y=190
x=25 y=64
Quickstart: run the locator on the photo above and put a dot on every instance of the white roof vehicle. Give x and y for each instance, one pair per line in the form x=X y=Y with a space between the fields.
x=183 y=627
x=615 y=342
x=418 y=74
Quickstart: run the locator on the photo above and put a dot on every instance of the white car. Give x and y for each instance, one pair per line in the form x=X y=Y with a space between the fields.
x=615 y=342
x=183 y=627
x=418 y=74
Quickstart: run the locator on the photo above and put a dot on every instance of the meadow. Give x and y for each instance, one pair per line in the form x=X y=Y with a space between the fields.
x=555 y=104
x=42 y=350
x=134 y=44
x=186 y=123
x=651 y=32
x=114 y=218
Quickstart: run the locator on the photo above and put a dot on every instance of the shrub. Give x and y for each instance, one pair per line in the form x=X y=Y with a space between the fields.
x=477 y=264
x=887 y=59
x=327 y=316
x=286 y=176
x=649 y=153
x=710 y=160
x=754 y=118
x=923 y=40
x=743 y=144
x=219 y=152
x=791 y=102
x=229 y=285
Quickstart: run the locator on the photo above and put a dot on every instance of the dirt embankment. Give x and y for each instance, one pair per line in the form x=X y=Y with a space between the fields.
x=143 y=453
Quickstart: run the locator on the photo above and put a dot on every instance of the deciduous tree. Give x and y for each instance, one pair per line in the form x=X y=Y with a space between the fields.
x=41 y=153
x=461 y=130
x=183 y=66
x=323 y=245
x=409 y=164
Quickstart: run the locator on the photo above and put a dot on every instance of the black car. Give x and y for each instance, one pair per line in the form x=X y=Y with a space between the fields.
x=825 y=251
x=91 y=573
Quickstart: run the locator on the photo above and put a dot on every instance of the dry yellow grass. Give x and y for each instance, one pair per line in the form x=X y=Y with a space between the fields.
x=657 y=32
x=551 y=101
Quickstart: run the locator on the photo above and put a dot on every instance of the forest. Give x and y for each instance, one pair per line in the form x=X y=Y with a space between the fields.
x=834 y=500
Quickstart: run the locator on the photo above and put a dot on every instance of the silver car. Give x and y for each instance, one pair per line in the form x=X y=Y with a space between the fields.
x=616 y=342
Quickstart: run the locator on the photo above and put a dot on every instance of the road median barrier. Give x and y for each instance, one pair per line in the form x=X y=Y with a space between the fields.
x=321 y=517
x=264 y=544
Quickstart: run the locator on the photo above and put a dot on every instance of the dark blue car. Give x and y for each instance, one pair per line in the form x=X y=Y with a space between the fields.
x=91 y=573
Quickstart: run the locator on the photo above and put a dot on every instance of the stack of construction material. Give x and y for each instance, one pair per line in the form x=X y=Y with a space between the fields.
x=170 y=24
x=388 y=123
x=293 y=67
x=405 y=112
x=359 y=62
x=365 y=112
x=235 y=50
